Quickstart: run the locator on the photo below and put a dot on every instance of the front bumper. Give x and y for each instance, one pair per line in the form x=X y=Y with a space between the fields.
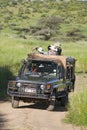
x=29 y=95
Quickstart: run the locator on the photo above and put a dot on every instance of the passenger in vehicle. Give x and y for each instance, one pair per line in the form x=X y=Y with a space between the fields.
x=55 y=49
x=35 y=69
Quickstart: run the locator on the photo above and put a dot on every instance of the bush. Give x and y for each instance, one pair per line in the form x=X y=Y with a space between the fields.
x=51 y=22
x=5 y=75
x=44 y=32
x=73 y=32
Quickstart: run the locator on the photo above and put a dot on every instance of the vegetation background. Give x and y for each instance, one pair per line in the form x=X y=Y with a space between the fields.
x=25 y=24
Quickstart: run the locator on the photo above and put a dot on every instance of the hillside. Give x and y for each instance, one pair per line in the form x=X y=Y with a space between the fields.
x=46 y=20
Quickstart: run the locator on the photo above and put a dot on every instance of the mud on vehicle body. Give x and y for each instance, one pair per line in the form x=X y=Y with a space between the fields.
x=44 y=78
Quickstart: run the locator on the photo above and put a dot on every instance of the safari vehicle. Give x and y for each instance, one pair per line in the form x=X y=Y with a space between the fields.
x=44 y=78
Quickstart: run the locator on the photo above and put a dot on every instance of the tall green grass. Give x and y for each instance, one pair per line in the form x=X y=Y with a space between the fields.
x=78 y=50
x=78 y=108
x=13 y=49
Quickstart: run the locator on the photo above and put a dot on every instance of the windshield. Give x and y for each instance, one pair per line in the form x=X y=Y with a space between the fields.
x=40 y=68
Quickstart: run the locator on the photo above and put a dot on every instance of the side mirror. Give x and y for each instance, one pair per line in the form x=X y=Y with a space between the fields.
x=23 y=61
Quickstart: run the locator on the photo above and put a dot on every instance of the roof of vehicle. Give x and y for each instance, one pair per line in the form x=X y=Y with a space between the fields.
x=55 y=58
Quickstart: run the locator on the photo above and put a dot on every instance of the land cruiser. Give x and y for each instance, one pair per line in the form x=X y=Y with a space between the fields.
x=44 y=78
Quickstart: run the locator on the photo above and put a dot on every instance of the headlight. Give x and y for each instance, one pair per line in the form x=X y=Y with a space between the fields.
x=42 y=87
x=18 y=85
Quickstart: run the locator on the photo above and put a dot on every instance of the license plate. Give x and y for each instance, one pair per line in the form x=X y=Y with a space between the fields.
x=32 y=90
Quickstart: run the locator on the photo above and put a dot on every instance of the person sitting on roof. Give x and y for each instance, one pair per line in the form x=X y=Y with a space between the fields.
x=58 y=48
x=55 y=49
x=40 y=50
x=51 y=50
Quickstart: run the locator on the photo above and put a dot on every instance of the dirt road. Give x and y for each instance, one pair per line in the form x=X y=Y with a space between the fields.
x=29 y=117
x=33 y=117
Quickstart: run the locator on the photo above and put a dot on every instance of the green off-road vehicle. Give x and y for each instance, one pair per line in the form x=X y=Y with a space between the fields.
x=44 y=78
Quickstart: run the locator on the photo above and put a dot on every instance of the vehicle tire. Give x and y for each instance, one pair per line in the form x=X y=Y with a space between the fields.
x=64 y=100
x=73 y=83
x=15 y=102
x=51 y=105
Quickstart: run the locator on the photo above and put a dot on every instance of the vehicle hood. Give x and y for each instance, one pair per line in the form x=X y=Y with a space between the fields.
x=36 y=78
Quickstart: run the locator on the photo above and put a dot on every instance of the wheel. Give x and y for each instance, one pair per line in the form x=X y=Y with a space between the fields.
x=51 y=105
x=15 y=102
x=73 y=83
x=64 y=100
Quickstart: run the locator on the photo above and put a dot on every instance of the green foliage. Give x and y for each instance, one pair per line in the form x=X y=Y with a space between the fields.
x=78 y=108
x=5 y=75
x=27 y=14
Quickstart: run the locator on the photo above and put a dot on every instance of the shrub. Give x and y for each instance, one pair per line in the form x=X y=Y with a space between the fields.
x=73 y=32
x=51 y=22
x=5 y=75
x=44 y=32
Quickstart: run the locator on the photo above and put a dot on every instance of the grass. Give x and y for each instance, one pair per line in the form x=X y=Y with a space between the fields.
x=76 y=50
x=14 y=49
x=78 y=108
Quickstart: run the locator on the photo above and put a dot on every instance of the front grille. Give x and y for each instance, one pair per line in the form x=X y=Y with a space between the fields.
x=30 y=88
x=28 y=85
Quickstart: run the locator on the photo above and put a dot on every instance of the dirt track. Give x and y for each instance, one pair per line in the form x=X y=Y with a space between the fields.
x=34 y=116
